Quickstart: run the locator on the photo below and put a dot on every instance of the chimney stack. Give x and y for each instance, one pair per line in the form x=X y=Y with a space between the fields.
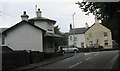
x=96 y=20
x=70 y=26
x=86 y=24
x=24 y=16
x=39 y=13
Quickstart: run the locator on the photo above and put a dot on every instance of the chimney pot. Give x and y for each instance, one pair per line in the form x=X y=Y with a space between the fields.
x=39 y=13
x=24 y=16
x=24 y=12
x=39 y=9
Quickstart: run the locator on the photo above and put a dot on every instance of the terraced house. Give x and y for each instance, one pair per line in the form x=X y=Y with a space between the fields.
x=94 y=36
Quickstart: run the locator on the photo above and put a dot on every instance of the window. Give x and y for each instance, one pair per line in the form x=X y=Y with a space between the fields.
x=49 y=27
x=3 y=40
x=70 y=37
x=90 y=34
x=82 y=44
x=105 y=33
x=75 y=43
x=75 y=38
x=106 y=42
x=91 y=43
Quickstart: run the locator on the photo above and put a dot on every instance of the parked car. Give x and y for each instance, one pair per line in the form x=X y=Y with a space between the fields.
x=67 y=49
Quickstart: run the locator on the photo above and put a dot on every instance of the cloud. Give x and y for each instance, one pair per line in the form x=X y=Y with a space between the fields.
x=60 y=11
x=39 y=0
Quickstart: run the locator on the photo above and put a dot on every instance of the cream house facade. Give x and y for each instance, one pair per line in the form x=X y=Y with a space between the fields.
x=96 y=35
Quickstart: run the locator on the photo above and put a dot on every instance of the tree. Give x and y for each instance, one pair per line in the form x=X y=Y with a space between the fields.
x=57 y=30
x=63 y=40
x=107 y=12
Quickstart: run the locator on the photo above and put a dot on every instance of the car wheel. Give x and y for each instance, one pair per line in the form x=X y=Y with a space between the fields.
x=63 y=52
x=75 y=51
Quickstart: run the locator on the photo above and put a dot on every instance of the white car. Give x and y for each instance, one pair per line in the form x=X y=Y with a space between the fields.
x=67 y=49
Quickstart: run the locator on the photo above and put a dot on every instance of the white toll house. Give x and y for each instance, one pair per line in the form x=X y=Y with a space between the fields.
x=36 y=34
x=94 y=36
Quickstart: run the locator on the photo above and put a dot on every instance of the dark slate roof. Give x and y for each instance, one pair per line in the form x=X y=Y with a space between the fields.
x=22 y=22
x=42 y=19
x=78 y=30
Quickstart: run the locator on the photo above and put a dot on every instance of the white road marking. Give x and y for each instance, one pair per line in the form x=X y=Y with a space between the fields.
x=96 y=54
x=74 y=65
x=87 y=53
x=113 y=61
x=88 y=58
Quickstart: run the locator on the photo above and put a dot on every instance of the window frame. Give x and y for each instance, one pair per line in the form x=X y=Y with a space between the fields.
x=105 y=34
x=105 y=42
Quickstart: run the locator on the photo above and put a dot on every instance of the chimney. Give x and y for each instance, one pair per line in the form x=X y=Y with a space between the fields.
x=39 y=13
x=24 y=16
x=96 y=20
x=86 y=24
x=70 y=26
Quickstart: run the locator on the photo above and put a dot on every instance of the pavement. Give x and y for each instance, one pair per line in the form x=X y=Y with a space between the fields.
x=43 y=63
x=89 y=60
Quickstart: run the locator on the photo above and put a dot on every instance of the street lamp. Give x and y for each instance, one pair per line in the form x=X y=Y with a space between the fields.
x=73 y=31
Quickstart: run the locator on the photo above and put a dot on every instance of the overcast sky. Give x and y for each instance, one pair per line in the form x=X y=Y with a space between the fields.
x=61 y=11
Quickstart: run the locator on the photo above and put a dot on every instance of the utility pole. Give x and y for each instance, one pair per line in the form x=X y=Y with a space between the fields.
x=35 y=9
x=73 y=31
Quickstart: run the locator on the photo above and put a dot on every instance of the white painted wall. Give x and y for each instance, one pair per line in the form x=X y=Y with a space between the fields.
x=25 y=37
x=80 y=39
x=44 y=25
x=0 y=38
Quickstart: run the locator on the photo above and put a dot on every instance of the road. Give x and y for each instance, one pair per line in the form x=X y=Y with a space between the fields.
x=90 y=60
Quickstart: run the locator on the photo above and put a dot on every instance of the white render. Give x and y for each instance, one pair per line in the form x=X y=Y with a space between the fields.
x=25 y=37
x=80 y=38
x=0 y=36
x=0 y=39
x=45 y=25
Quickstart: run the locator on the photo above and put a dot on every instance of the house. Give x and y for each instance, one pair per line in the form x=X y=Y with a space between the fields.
x=96 y=35
x=48 y=26
x=24 y=36
x=36 y=34
x=79 y=38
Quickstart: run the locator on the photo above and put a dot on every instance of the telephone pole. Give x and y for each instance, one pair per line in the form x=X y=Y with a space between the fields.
x=73 y=31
